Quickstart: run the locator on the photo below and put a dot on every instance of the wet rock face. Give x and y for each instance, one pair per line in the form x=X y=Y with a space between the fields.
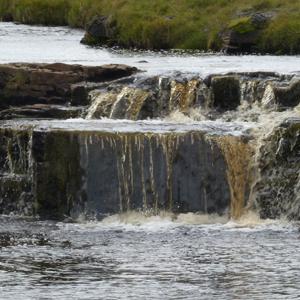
x=15 y=173
x=277 y=191
x=41 y=111
x=101 y=30
x=16 y=195
x=51 y=84
x=288 y=96
x=57 y=174
x=158 y=97
x=61 y=173
x=226 y=92
x=109 y=173
x=61 y=91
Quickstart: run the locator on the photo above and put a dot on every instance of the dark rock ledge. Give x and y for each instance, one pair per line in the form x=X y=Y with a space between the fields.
x=48 y=90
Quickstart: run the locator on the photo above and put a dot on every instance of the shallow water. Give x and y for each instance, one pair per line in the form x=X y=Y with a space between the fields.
x=21 y=43
x=150 y=258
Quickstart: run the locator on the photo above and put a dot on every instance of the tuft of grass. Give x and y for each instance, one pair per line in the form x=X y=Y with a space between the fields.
x=48 y=12
x=282 y=36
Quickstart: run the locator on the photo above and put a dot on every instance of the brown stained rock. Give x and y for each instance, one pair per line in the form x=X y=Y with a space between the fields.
x=25 y=84
x=43 y=111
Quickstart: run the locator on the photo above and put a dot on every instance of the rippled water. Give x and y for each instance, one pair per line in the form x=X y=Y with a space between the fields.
x=21 y=43
x=149 y=258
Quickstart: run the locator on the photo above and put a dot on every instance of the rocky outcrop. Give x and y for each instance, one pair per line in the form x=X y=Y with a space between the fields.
x=51 y=84
x=58 y=169
x=66 y=91
x=158 y=97
x=101 y=30
x=242 y=34
x=64 y=169
x=226 y=92
x=277 y=191
x=283 y=96
x=41 y=111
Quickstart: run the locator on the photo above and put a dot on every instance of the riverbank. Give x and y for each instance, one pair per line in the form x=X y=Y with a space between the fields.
x=264 y=26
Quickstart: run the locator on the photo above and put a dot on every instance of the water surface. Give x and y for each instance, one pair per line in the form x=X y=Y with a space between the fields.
x=22 y=43
x=149 y=258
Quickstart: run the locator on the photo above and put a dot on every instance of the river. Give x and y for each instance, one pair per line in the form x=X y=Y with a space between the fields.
x=136 y=255
x=22 y=43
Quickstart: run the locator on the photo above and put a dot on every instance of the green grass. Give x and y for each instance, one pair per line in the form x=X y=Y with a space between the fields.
x=184 y=24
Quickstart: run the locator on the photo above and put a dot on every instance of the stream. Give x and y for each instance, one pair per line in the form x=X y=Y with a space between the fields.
x=136 y=255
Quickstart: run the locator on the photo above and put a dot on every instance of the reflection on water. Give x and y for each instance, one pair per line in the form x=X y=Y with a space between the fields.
x=22 y=43
x=138 y=257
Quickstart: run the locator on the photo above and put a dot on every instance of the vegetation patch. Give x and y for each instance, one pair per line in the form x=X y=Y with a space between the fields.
x=242 y=25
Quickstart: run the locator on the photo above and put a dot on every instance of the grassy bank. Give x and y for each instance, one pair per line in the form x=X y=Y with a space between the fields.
x=185 y=24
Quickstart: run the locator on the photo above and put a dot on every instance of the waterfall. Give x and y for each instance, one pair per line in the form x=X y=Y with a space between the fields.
x=217 y=145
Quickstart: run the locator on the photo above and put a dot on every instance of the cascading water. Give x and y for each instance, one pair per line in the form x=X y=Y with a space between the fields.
x=262 y=100
x=173 y=162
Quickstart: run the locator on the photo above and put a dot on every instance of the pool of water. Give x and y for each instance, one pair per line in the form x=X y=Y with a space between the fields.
x=138 y=257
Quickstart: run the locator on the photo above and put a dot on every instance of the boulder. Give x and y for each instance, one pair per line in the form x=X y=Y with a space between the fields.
x=225 y=92
x=101 y=30
x=242 y=34
x=288 y=96
x=280 y=95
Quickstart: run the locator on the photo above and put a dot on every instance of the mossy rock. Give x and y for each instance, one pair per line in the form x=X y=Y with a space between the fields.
x=242 y=25
x=243 y=34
